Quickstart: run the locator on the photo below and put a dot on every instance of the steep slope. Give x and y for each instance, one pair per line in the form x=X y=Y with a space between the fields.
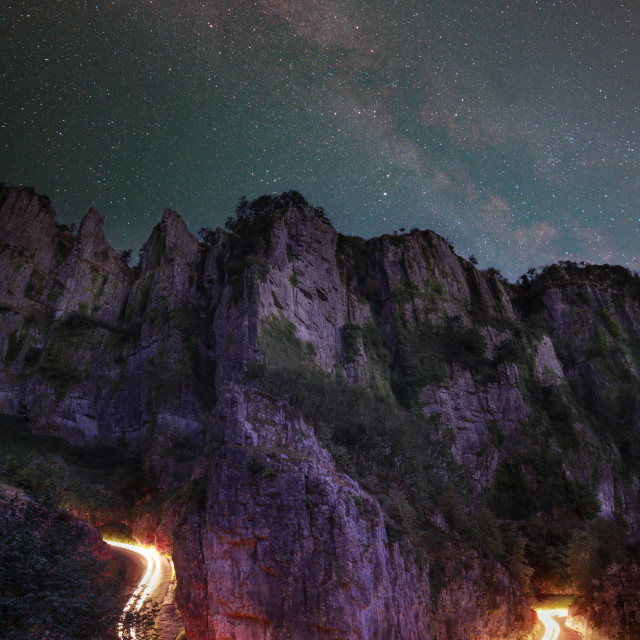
x=350 y=438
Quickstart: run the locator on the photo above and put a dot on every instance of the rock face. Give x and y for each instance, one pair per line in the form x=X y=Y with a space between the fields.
x=472 y=407
x=531 y=388
x=284 y=546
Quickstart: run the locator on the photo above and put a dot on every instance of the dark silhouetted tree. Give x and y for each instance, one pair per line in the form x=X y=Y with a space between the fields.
x=126 y=256
x=51 y=583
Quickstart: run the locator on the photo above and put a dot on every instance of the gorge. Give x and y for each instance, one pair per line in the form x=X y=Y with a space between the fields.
x=332 y=437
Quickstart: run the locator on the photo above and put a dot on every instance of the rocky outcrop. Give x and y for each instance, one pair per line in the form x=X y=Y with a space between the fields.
x=28 y=224
x=478 y=413
x=283 y=545
x=82 y=334
x=305 y=285
x=94 y=278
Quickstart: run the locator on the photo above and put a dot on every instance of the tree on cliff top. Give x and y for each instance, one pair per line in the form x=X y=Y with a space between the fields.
x=254 y=219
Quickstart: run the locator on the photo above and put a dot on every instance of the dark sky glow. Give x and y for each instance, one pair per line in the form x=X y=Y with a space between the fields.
x=512 y=128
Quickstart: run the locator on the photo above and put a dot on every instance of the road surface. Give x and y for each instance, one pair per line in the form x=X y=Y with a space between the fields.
x=554 y=625
x=148 y=575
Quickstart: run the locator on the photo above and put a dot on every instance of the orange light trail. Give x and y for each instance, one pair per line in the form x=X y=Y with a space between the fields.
x=145 y=587
x=551 y=628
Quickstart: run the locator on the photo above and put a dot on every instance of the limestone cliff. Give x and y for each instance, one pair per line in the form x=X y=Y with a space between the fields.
x=343 y=438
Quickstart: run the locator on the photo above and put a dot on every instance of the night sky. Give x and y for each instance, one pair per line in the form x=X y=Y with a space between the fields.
x=511 y=128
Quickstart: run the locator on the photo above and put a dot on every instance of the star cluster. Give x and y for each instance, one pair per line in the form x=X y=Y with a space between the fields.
x=511 y=128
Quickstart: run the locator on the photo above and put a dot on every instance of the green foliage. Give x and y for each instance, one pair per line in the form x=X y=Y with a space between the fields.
x=516 y=496
x=422 y=352
x=437 y=288
x=374 y=346
x=510 y=350
x=35 y=286
x=616 y=278
x=238 y=269
x=117 y=532
x=56 y=365
x=98 y=281
x=52 y=585
x=15 y=342
x=55 y=292
x=87 y=479
x=351 y=341
x=207 y=236
x=57 y=369
x=32 y=356
x=613 y=326
x=280 y=344
x=547 y=551
x=599 y=346
x=196 y=334
x=254 y=220
x=125 y=254
x=494 y=274
x=514 y=555
x=437 y=580
x=351 y=256
x=36 y=318
x=370 y=437
x=496 y=432
x=416 y=363
x=510 y=494
x=560 y=415
x=595 y=551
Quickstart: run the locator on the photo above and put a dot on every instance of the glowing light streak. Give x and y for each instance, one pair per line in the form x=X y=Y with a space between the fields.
x=551 y=628
x=145 y=587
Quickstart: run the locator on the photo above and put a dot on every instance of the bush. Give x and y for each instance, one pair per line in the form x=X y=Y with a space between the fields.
x=595 y=551
x=117 y=532
x=84 y=479
x=52 y=585
x=351 y=341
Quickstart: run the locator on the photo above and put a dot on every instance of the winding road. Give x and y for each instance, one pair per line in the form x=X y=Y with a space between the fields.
x=553 y=621
x=148 y=576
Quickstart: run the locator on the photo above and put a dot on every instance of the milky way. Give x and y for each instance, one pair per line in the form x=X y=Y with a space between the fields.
x=510 y=128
